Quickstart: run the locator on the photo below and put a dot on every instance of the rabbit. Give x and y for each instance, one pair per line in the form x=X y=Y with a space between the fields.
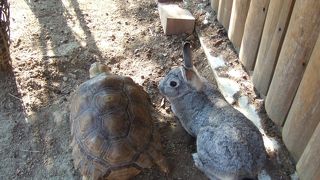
x=229 y=146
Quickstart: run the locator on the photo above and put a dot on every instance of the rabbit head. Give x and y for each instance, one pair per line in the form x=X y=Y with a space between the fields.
x=98 y=68
x=181 y=80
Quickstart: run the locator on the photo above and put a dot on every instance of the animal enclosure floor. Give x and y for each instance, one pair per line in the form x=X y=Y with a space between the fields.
x=53 y=46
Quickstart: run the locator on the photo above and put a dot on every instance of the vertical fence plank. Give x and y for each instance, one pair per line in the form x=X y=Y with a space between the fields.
x=252 y=32
x=272 y=38
x=224 y=12
x=5 y=61
x=309 y=163
x=215 y=5
x=299 y=41
x=237 y=21
x=304 y=114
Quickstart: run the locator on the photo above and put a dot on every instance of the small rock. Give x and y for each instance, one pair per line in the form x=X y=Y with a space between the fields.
x=142 y=77
x=65 y=78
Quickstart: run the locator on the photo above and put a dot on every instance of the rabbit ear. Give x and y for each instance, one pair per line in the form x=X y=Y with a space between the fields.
x=192 y=77
x=187 y=55
x=190 y=74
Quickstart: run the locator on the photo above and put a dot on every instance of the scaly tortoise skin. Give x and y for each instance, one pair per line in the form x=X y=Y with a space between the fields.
x=112 y=130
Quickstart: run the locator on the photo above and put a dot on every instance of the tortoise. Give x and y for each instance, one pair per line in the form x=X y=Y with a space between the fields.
x=113 y=136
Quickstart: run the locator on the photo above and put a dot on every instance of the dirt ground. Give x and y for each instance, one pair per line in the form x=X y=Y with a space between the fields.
x=53 y=45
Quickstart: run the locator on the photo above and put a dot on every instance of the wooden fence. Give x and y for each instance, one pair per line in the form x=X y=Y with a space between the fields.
x=279 y=41
x=4 y=35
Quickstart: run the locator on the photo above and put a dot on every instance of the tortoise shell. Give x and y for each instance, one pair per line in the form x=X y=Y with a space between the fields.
x=112 y=130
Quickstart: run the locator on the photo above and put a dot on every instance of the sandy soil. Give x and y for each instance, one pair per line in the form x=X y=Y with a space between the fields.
x=53 y=45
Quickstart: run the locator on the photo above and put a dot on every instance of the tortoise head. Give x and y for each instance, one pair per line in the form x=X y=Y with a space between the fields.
x=98 y=68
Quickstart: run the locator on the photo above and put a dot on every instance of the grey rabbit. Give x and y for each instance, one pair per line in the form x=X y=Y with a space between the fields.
x=229 y=146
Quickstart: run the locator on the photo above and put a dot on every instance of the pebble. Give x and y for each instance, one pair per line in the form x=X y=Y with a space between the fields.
x=65 y=78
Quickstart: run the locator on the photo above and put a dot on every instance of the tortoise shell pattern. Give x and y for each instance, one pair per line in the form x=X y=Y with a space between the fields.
x=112 y=128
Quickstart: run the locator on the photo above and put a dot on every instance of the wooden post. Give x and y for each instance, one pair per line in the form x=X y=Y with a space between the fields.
x=5 y=61
x=215 y=5
x=304 y=114
x=302 y=33
x=224 y=12
x=237 y=21
x=309 y=163
x=252 y=32
x=272 y=38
